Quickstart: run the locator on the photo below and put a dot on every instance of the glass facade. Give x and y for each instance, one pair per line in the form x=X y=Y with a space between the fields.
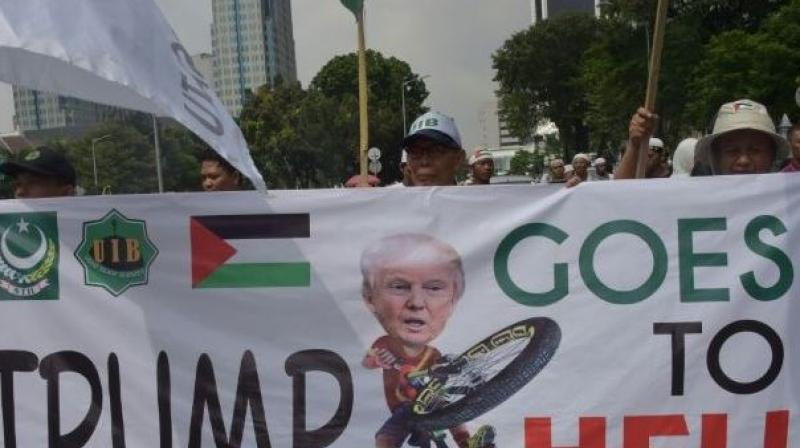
x=543 y=9
x=35 y=111
x=253 y=45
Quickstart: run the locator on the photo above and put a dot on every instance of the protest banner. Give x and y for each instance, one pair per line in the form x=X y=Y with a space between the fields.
x=119 y=53
x=599 y=316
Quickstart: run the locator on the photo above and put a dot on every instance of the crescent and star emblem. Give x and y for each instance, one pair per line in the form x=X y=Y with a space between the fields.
x=24 y=263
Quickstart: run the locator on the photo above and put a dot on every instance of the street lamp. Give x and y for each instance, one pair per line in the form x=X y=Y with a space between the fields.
x=94 y=157
x=406 y=82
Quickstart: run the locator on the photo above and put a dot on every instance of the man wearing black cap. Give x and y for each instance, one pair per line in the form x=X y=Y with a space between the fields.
x=40 y=173
x=434 y=151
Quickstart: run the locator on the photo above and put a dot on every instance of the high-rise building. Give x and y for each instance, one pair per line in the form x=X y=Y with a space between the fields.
x=204 y=63
x=35 y=110
x=253 y=45
x=543 y=9
x=494 y=129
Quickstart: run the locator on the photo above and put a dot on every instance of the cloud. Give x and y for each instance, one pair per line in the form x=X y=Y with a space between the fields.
x=450 y=40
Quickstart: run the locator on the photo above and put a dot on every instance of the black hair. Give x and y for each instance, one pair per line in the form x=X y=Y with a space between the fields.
x=795 y=128
x=210 y=155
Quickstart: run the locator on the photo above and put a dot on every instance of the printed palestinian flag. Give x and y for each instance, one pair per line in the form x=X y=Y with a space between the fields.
x=211 y=238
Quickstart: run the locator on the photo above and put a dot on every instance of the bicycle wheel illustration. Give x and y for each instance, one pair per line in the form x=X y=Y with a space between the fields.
x=486 y=374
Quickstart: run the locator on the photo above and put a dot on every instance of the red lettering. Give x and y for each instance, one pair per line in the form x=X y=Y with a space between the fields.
x=776 y=431
x=591 y=433
x=637 y=430
x=714 y=431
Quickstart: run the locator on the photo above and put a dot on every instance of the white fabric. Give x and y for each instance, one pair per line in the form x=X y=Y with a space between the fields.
x=683 y=159
x=613 y=362
x=120 y=53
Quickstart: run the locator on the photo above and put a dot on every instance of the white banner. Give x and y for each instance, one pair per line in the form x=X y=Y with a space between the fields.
x=616 y=314
x=121 y=53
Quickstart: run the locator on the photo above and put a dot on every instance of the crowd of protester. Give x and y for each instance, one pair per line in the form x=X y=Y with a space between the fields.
x=743 y=141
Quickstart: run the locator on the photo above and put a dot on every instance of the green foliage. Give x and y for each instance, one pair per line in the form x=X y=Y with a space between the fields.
x=523 y=163
x=714 y=51
x=539 y=72
x=125 y=157
x=310 y=138
x=762 y=66
x=338 y=80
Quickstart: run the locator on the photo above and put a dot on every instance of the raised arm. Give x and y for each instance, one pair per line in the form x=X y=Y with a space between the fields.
x=640 y=130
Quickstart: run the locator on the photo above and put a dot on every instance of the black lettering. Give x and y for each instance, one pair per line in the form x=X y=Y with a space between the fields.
x=164 y=387
x=216 y=128
x=678 y=330
x=323 y=361
x=186 y=61
x=248 y=392
x=741 y=326
x=12 y=361
x=115 y=402
x=50 y=369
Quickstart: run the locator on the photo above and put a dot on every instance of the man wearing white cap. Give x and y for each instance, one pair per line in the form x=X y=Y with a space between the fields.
x=481 y=165
x=743 y=141
x=434 y=151
x=600 y=172
x=580 y=163
x=657 y=160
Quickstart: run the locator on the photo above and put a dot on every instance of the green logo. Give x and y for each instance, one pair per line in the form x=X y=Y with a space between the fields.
x=115 y=252
x=29 y=256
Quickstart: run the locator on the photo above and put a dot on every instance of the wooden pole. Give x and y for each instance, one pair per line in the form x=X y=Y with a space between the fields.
x=652 y=79
x=362 y=101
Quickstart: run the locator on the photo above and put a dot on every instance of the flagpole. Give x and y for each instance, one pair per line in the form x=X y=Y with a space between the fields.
x=362 y=100
x=159 y=176
x=652 y=79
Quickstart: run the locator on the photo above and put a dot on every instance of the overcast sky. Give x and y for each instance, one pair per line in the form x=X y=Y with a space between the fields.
x=450 y=40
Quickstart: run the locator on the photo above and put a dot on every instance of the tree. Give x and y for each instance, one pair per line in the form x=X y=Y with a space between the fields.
x=523 y=163
x=615 y=70
x=270 y=123
x=762 y=66
x=386 y=76
x=539 y=73
x=310 y=138
x=125 y=156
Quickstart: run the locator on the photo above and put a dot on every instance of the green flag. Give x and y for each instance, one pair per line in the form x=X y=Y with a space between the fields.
x=354 y=5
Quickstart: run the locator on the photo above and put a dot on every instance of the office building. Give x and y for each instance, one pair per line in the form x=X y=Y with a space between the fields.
x=494 y=129
x=253 y=45
x=543 y=9
x=35 y=110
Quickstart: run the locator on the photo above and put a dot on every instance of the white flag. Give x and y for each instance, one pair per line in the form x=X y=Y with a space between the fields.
x=117 y=52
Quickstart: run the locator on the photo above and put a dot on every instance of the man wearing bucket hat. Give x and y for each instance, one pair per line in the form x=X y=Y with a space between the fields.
x=743 y=141
x=434 y=150
x=481 y=165
x=40 y=173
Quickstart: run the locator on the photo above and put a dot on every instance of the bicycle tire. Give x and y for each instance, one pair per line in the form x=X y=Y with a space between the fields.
x=544 y=340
